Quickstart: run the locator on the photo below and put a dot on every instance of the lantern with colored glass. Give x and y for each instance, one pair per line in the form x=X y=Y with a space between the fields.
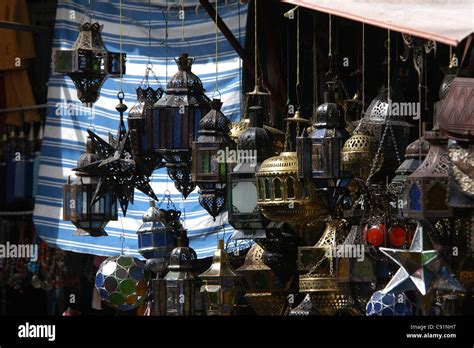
x=221 y=285
x=89 y=62
x=210 y=162
x=255 y=145
x=89 y=218
x=139 y=119
x=156 y=238
x=180 y=288
x=319 y=154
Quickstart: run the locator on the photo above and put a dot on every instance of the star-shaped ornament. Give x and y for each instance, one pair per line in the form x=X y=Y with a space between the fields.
x=421 y=267
x=116 y=168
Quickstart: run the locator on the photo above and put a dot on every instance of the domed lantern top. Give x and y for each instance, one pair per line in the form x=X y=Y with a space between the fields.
x=89 y=62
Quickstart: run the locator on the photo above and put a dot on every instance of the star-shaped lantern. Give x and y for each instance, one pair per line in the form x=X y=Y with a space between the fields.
x=116 y=167
x=421 y=267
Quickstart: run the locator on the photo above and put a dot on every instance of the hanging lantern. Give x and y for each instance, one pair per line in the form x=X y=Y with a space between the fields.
x=319 y=154
x=88 y=63
x=176 y=115
x=264 y=292
x=221 y=285
x=179 y=290
x=359 y=152
x=139 y=121
x=318 y=263
x=210 y=162
x=156 y=237
x=415 y=153
x=89 y=217
x=425 y=192
x=255 y=144
x=122 y=282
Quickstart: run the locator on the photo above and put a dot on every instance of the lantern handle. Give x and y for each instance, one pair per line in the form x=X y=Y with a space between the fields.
x=214 y=94
x=120 y=96
x=181 y=42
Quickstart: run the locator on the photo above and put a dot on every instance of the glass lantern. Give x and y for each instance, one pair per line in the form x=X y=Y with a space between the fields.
x=180 y=288
x=88 y=63
x=221 y=285
x=90 y=218
x=319 y=154
x=210 y=162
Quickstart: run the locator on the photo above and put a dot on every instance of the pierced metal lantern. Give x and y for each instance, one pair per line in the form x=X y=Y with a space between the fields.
x=282 y=196
x=90 y=218
x=319 y=154
x=210 y=162
x=221 y=285
x=415 y=153
x=139 y=124
x=176 y=115
x=358 y=153
x=425 y=192
x=156 y=237
x=318 y=264
x=88 y=63
x=180 y=289
x=254 y=145
x=264 y=292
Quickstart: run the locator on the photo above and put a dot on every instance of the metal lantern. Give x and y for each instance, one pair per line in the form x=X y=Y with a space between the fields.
x=425 y=192
x=179 y=291
x=156 y=237
x=176 y=115
x=255 y=145
x=358 y=153
x=282 y=196
x=221 y=285
x=264 y=292
x=210 y=162
x=415 y=153
x=89 y=217
x=139 y=121
x=88 y=63
x=318 y=264
x=319 y=154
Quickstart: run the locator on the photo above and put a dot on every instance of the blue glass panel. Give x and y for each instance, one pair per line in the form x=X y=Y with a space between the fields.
x=415 y=198
x=144 y=240
x=176 y=130
x=156 y=129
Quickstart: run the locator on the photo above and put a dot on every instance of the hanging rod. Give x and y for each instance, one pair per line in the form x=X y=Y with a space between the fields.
x=24 y=108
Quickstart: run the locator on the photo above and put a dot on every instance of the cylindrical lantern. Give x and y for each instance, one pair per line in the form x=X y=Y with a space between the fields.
x=221 y=285
x=89 y=218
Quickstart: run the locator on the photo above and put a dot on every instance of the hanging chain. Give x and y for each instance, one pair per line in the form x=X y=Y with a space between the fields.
x=450 y=56
x=121 y=55
x=286 y=146
x=255 y=44
x=315 y=68
x=240 y=64
x=217 y=48
x=330 y=42
x=363 y=67
x=182 y=20
x=149 y=32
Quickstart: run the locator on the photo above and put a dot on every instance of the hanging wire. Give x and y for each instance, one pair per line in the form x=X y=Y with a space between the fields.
x=363 y=67
x=298 y=59
x=217 y=48
x=388 y=65
x=121 y=56
x=149 y=32
x=255 y=43
x=450 y=56
x=240 y=63
x=330 y=42
x=182 y=20
x=315 y=68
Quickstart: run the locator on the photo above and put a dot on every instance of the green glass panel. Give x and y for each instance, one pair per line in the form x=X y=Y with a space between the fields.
x=125 y=261
x=127 y=286
x=116 y=299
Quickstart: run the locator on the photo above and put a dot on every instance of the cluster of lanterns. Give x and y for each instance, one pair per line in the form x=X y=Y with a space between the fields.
x=267 y=193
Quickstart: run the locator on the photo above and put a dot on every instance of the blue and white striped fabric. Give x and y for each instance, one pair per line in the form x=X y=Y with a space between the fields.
x=65 y=133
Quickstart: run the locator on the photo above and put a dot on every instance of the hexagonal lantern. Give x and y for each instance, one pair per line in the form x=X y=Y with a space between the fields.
x=210 y=163
x=88 y=63
x=89 y=218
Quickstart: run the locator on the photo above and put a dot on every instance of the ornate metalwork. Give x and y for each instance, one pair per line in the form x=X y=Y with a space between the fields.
x=419 y=47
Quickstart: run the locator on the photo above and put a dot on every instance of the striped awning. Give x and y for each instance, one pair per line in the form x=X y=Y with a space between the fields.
x=65 y=132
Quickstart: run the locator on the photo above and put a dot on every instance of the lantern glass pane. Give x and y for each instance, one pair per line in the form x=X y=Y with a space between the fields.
x=64 y=61
x=267 y=189
x=222 y=169
x=260 y=189
x=434 y=194
x=415 y=198
x=244 y=197
x=172 y=295
x=277 y=184
x=290 y=187
x=205 y=163
x=317 y=157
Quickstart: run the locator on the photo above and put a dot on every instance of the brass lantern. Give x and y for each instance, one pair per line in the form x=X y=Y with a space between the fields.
x=210 y=162
x=221 y=285
x=425 y=192
x=156 y=237
x=78 y=207
x=282 y=196
x=318 y=264
x=255 y=145
x=319 y=154
x=180 y=288
x=139 y=121
x=88 y=63
x=264 y=292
